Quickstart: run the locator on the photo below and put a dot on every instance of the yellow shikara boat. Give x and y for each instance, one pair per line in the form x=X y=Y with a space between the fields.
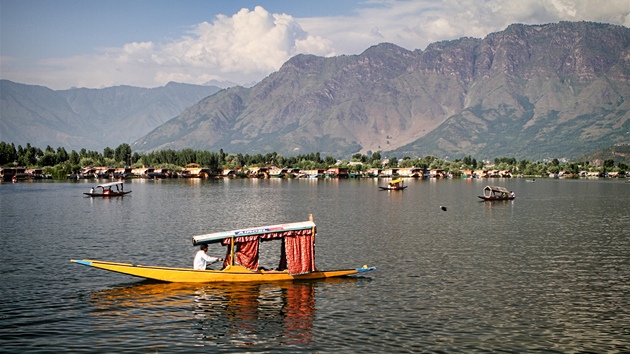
x=297 y=259
x=394 y=185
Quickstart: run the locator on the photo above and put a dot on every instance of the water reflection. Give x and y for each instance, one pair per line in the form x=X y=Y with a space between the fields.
x=547 y=272
x=217 y=315
x=256 y=313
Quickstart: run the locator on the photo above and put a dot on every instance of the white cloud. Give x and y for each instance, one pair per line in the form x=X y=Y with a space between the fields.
x=251 y=44
x=245 y=47
x=415 y=24
x=242 y=48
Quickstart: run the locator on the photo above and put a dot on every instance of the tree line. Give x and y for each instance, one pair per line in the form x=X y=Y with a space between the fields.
x=59 y=163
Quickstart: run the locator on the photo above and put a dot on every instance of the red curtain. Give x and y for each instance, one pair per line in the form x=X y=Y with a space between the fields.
x=247 y=254
x=227 y=260
x=300 y=252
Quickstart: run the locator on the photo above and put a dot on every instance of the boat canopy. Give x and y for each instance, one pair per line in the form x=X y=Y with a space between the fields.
x=496 y=189
x=297 y=252
x=495 y=192
x=396 y=181
x=254 y=232
x=110 y=184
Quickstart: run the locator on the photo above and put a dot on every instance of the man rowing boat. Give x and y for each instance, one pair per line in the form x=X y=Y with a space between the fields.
x=202 y=260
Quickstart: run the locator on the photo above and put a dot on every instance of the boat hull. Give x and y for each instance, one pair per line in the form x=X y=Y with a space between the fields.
x=230 y=274
x=392 y=188
x=491 y=199
x=101 y=195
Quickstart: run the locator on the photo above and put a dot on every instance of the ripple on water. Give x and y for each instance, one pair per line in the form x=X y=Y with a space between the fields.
x=548 y=272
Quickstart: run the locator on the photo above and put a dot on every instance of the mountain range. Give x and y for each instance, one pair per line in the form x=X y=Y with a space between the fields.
x=89 y=118
x=529 y=92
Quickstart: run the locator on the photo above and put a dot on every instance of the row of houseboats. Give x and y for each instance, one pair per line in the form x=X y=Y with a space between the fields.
x=194 y=170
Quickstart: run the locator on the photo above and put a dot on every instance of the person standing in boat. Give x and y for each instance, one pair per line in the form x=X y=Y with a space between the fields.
x=202 y=260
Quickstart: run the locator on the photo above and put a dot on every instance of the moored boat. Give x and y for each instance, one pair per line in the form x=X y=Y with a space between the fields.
x=297 y=258
x=491 y=193
x=107 y=190
x=394 y=185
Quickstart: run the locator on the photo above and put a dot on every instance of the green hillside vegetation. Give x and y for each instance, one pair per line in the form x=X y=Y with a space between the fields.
x=618 y=154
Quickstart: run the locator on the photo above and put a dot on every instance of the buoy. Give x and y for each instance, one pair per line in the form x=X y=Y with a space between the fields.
x=443 y=208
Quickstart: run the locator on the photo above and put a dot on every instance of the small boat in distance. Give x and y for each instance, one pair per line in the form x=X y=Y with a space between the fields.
x=107 y=190
x=296 y=261
x=394 y=185
x=491 y=193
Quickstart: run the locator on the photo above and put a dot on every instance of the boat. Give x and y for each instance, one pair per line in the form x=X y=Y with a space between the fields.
x=491 y=193
x=297 y=258
x=106 y=190
x=394 y=185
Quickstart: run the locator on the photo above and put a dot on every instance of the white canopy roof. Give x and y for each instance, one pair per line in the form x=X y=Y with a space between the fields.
x=496 y=188
x=110 y=184
x=218 y=236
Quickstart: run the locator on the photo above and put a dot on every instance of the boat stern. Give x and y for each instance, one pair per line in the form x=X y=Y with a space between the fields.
x=365 y=269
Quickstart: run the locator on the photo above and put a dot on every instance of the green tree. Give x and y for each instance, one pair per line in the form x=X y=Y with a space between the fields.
x=221 y=157
x=208 y=159
x=522 y=164
x=48 y=159
x=61 y=155
x=406 y=162
x=135 y=158
x=108 y=153
x=8 y=153
x=608 y=164
x=74 y=157
x=88 y=161
x=29 y=155
x=60 y=171
x=123 y=153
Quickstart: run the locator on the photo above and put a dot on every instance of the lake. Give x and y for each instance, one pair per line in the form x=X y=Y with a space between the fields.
x=547 y=272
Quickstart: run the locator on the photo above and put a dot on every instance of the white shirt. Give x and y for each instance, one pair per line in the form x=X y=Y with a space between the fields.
x=202 y=259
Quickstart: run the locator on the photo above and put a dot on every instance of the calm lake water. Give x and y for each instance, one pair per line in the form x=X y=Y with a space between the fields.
x=547 y=272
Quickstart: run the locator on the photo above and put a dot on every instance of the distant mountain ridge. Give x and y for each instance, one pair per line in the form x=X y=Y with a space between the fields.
x=534 y=91
x=89 y=118
x=529 y=92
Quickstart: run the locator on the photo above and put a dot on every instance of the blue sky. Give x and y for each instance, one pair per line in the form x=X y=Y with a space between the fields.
x=147 y=43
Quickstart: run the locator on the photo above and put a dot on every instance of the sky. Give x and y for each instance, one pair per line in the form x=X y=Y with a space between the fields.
x=62 y=44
